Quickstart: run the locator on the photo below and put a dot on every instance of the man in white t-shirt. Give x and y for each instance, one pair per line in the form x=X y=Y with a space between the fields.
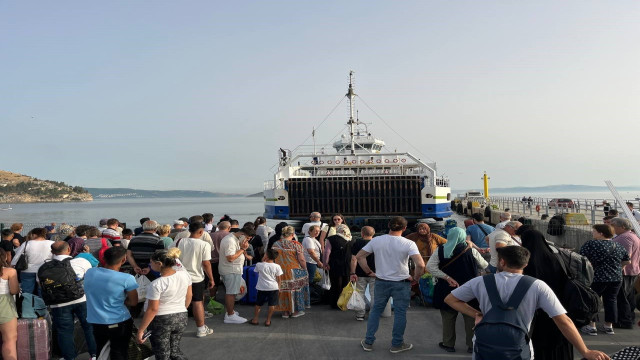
x=392 y=253
x=500 y=238
x=505 y=217
x=314 y=219
x=511 y=261
x=233 y=248
x=195 y=258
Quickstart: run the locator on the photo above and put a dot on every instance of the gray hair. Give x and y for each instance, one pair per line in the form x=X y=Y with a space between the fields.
x=620 y=222
x=315 y=215
x=513 y=224
x=505 y=216
x=149 y=225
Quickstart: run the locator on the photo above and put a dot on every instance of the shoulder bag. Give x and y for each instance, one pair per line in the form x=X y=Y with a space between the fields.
x=23 y=262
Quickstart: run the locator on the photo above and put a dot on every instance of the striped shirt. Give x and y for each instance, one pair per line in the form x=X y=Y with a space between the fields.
x=143 y=246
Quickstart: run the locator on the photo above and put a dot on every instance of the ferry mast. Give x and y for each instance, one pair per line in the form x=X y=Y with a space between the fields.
x=351 y=95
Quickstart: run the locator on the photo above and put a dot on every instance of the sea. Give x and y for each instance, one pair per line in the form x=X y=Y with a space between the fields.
x=130 y=211
x=165 y=210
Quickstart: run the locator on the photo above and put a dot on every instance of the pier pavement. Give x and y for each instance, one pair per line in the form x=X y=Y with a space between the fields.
x=324 y=333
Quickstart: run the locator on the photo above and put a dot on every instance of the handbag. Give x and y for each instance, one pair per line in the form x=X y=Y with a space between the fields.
x=23 y=262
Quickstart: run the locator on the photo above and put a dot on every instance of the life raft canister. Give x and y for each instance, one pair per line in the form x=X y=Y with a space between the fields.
x=537 y=208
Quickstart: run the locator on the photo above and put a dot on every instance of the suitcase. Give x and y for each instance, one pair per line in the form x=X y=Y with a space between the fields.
x=34 y=339
x=251 y=279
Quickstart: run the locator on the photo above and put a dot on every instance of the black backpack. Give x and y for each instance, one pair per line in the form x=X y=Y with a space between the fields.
x=556 y=225
x=580 y=301
x=58 y=282
x=502 y=334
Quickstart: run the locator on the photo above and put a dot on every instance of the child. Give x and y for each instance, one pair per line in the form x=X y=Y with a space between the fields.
x=268 y=285
x=127 y=235
x=7 y=243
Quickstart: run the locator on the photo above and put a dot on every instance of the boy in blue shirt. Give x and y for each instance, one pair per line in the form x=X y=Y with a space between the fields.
x=108 y=293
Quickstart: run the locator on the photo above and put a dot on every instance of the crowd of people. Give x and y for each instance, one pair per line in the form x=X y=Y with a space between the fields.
x=108 y=270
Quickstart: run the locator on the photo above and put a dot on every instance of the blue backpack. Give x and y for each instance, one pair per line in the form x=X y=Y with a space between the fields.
x=502 y=333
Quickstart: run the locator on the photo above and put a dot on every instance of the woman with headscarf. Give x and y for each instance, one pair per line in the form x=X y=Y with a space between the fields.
x=456 y=263
x=548 y=341
x=293 y=297
x=337 y=259
x=427 y=241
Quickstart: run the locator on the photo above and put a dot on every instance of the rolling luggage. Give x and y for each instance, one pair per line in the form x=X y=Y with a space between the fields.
x=34 y=339
x=251 y=279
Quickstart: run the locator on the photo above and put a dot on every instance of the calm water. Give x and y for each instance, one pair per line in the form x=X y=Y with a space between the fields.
x=131 y=210
x=166 y=210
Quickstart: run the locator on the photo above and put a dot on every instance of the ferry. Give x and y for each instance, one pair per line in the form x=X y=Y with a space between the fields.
x=358 y=179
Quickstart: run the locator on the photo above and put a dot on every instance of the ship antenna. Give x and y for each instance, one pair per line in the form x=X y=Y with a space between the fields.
x=351 y=95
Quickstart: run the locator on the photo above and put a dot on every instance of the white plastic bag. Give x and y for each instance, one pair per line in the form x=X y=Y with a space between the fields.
x=143 y=282
x=325 y=283
x=356 y=302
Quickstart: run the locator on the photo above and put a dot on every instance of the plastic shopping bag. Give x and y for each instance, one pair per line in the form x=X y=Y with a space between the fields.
x=243 y=290
x=325 y=283
x=317 y=276
x=426 y=288
x=345 y=296
x=356 y=302
x=143 y=282
x=215 y=307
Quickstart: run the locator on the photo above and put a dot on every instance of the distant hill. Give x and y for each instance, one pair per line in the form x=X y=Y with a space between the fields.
x=555 y=188
x=126 y=193
x=260 y=194
x=18 y=188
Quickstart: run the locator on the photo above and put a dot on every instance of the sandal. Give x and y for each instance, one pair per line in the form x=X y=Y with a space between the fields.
x=254 y=323
x=267 y=324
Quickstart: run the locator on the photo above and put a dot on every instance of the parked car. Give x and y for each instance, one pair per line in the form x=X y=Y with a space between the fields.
x=564 y=203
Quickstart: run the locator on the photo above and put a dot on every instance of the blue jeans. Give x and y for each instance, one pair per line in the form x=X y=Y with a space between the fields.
x=400 y=291
x=311 y=269
x=28 y=282
x=64 y=325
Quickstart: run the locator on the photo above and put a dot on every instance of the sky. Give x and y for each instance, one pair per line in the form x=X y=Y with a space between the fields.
x=200 y=95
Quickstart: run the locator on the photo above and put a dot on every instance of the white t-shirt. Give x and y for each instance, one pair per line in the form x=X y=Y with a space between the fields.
x=539 y=296
x=267 y=273
x=80 y=266
x=392 y=256
x=305 y=227
x=230 y=246
x=499 y=236
x=185 y=234
x=501 y=224
x=310 y=243
x=37 y=252
x=171 y=291
x=193 y=253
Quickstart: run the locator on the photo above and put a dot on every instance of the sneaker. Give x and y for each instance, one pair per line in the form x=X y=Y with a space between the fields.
x=204 y=333
x=298 y=314
x=401 y=348
x=360 y=318
x=365 y=346
x=589 y=330
x=442 y=346
x=234 y=319
x=207 y=315
x=606 y=330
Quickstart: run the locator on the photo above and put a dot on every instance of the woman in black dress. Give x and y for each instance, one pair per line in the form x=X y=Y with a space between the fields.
x=548 y=341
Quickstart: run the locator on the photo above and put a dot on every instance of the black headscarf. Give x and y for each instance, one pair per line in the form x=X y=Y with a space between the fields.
x=277 y=235
x=543 y=263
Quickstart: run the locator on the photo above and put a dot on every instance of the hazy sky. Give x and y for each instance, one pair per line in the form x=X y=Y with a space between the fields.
x=201 y=94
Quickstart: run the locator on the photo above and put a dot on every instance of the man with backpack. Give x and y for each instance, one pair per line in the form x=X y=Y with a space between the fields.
x=508 y=301
x=62 y=290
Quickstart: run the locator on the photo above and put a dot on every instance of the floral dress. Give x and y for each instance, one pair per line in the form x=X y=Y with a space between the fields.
x=294 y=285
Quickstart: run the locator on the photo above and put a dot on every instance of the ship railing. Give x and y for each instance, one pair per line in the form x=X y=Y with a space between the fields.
x=341 y=171
x=593 y=209
x=270 y=185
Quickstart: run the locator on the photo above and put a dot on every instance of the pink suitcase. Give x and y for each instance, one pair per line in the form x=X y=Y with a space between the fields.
x=34 y=339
